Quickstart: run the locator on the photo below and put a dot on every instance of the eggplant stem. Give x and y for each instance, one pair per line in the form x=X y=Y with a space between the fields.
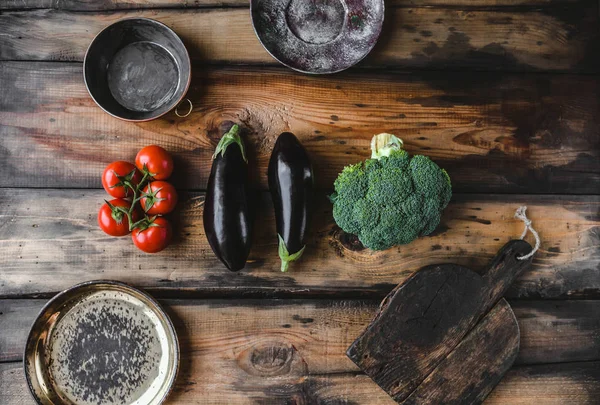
x=286 y=257
x=233 y=136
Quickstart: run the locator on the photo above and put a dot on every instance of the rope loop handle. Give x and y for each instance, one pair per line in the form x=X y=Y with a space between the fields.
x=189 y=111
x=521 y=214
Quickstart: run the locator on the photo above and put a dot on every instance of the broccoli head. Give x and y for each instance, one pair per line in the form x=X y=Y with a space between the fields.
x=390 y=199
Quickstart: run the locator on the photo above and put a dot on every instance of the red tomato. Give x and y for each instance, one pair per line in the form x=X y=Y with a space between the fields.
x=155 y=237
x=114 y=222
x=114 y=185
x=157 y=161
x=160 y=198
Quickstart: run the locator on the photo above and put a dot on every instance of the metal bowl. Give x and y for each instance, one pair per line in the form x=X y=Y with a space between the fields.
x=323 y=36
x=101 y=342
x=137 y=69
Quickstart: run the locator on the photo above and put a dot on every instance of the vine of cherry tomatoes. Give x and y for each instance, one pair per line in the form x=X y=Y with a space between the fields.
x=141 y=197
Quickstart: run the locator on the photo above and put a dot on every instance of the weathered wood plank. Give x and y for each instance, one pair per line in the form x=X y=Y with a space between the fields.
x=16 y=317
x=551 y=331
x=560 y=331
x=493 y=133
x=50 y=240
x=98 y=5
x=102 y=5
x=271 y=351
x=13 y=388
x=563 y=40
x=555 y=384
x=295 y=349
x=552 y=384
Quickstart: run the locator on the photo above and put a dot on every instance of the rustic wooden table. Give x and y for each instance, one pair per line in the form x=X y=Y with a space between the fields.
x=502 y=93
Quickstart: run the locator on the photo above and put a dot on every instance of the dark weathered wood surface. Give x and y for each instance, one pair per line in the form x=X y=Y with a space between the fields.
x=51 y=240
x=552 y=384
x=555 y=332
x=548 y=40
x=496 y=130
x=99 y=5
x=476 y=365
x=548 y=384
x=423 y=320
x=248 y=351
x=551 y=331
x=493 y=133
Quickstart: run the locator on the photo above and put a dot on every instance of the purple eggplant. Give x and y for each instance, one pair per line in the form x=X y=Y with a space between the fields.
x=228 y=209
x=291 y=186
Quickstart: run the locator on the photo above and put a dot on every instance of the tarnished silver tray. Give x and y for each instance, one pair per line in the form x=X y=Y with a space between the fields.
x=101 y=343
x=318 y=36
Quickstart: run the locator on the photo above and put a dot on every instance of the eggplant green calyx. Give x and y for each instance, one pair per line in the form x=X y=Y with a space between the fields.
x=285 y=256
x=384 y=144
x=233 y=136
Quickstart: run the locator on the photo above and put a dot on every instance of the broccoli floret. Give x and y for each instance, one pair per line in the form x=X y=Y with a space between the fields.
x=431 y=216
x=388 y=185
x=352 y=187
x=399 y=159
x=430 y=180
x=390 y=199
x=363 y=213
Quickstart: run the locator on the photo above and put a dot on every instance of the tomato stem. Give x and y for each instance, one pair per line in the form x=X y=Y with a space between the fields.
x=151 y=197
x=138 y=194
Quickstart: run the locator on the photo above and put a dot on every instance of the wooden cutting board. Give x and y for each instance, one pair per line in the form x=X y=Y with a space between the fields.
x=444 y=336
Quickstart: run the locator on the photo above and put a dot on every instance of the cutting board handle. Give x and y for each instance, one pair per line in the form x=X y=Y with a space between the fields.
x=504 y=269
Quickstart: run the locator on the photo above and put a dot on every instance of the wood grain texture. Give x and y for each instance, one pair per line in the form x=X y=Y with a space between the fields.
x=493 y=133
x=556 y=384
x=476 y=365
x=551 y=331
x=275 y=352
x=553 y=384
x=428 y=316
x=550 y=40
x=98 y=5
x=16 y=317
x=559 y=331
x=51 y=241
x=102 y=5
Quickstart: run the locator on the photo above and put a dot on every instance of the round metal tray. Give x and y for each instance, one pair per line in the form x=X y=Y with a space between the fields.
x=101 y=343
x=318 y=36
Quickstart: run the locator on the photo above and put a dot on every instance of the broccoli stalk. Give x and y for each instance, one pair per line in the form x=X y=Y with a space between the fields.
x=384 y=144
x=390 y=199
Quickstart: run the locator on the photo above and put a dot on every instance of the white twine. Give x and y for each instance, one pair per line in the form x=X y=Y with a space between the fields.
x=520 y=214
